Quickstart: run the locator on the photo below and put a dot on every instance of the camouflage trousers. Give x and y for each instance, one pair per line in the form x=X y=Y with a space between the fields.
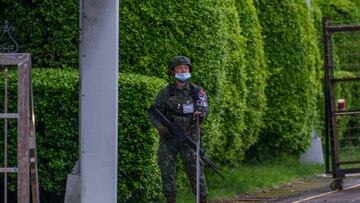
x=167 y=164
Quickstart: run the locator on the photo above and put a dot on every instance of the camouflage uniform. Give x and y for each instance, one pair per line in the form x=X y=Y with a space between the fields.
x=173 y=102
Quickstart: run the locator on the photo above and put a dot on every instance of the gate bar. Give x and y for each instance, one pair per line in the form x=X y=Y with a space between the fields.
x=343 y=113
x=345 y=79
x=327 y=64
x=342 y=28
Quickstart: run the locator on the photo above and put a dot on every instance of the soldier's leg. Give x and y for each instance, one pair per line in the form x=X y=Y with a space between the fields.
x=167 y=165
x=188 y=157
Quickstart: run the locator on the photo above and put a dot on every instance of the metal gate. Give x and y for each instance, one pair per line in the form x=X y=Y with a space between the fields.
x=342 y=99
x=26 y=169
x=20 y=113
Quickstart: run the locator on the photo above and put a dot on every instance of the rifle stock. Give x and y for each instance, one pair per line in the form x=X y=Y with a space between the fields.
x=181 y=135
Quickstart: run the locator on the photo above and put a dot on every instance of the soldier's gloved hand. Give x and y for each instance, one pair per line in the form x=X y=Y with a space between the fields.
x=200 y=113
x=163 y=131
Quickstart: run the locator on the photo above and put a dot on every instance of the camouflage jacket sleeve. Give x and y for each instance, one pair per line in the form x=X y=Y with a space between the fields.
x=159 y=102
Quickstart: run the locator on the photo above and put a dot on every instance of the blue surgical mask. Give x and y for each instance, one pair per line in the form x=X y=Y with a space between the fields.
x=182 y=76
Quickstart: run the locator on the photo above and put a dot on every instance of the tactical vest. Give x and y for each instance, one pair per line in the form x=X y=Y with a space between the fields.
x=181 y=104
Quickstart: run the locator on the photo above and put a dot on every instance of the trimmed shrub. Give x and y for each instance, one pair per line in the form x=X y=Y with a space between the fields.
x=314 y=65
x=256 y=70
x=227 y=116
x=293 y=59
x=57 y=108
x=340 y=11
x=56 y=104
x=56 y=113
x=139 y=179
x=49 y=30
x=151 y=33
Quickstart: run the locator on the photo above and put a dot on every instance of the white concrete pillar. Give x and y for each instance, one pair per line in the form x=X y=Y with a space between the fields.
x=308 y=3
x=99 y=40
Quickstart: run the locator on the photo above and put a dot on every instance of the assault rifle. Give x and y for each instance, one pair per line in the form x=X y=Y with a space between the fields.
x=181 y=135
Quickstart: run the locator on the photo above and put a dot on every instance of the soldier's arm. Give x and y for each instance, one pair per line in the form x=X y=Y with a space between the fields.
x=159 y=102
x=201 y=102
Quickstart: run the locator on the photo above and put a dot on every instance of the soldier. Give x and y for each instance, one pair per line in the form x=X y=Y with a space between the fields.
x=181 y=101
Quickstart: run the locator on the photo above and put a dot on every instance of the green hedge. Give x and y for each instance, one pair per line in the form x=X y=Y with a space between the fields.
x=138 y=173
x=293 y=60
x=57 y=108
x=256 y=70
x=340 y=11
x=209 y=32
x=204 y=31
x=56 y=113
x=225 y=127
x=49 y=30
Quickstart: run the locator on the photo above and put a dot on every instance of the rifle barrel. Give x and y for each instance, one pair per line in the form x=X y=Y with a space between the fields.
x=212 y=166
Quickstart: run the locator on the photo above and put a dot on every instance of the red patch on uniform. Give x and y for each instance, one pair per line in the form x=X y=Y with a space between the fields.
x=202 y=92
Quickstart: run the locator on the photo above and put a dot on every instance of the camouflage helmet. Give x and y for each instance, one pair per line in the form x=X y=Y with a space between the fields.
x=178 y=60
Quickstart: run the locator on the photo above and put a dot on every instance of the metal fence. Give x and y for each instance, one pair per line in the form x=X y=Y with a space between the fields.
x=342 y=99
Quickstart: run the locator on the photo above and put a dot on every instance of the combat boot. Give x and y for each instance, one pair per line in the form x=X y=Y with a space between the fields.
x=203 y=199
x=171 y=199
